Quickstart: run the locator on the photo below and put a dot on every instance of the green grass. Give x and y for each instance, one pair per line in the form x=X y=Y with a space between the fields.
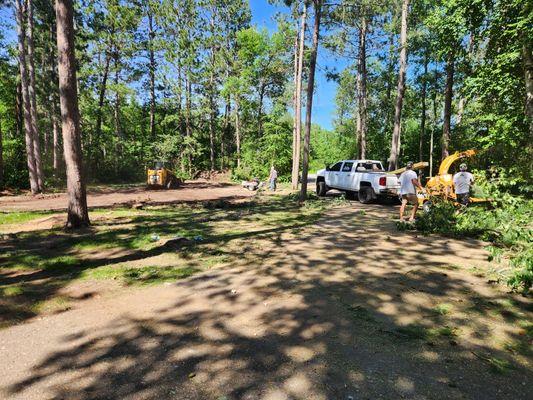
x=141 y=275
x=442 y=309
x=19 y=217
x=419 y=332
x=55 y=304
x=499 y=365
x=11 y=291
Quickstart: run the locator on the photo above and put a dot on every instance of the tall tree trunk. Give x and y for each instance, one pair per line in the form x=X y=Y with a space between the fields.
x=298 y=111
x=188 y=122
x=212 y=105
x=395 y=146
x=101 y=96
x=56 y=151
x=435 y=121
x=19 y=110
x=310 y=90
x=528 y=77
x=118 y=127
x=238 y=131
x=1 y=158
x=151 y=36
x=33 y=99
x=448 y=96
x=225 y=133
x=34 y=185
x=361 y=90
x=78 y=215
x=423 y=116
x=295 y=79
x=390 y=82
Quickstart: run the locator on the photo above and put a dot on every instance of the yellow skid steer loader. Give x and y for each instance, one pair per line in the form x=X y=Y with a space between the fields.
x=161 y=177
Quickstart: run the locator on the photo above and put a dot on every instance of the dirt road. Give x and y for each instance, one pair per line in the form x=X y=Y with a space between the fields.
x=348 y=308
x=199 y=190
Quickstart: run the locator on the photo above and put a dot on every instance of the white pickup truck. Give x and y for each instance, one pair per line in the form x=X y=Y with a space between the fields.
x=367 y=178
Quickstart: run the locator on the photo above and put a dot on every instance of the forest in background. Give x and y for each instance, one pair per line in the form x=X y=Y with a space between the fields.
x=194 y=83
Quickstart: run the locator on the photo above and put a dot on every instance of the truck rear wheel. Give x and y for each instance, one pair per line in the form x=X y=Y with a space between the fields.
x=365 y=195
x=321 y=189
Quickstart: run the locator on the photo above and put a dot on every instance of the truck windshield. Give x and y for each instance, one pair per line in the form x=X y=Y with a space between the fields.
x=370 y=166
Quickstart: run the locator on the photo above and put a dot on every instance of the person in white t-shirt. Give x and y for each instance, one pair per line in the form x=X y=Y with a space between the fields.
x=273 y=178
x=408 y=184
x=462 y=181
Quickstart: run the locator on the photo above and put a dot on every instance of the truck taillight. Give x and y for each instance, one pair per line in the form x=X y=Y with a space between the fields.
x=383 y=181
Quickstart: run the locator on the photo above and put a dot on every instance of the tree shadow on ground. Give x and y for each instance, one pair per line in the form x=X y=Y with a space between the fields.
x=55 y=259
x=326 y=315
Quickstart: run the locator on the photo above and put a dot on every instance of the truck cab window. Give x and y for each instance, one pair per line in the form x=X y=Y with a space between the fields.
x=336 y=167
x=347 y=167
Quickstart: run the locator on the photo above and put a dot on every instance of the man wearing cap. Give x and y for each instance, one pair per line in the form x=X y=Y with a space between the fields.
x=462 y=182
x=408 y=184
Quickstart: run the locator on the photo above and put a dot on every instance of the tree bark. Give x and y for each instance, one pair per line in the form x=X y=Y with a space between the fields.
x=34 y=185
x=361 y=90
x=78 y=215
x=423 y=116
x=188 y=122
x=528 y=77
x=55 y=140
x=298 y=111
x=101 y=96
x=212 y=105
x=33 y=99
x=448 y=96
x=152 y=68
x=1 y=158
x=19 y=110
x=310 y=89
x=118 y=128
x=395 y=146
x=295 y=79
x=238 y=132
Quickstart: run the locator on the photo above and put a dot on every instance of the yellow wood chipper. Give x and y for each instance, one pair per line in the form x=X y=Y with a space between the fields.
x=441 y=185
x=161 y=177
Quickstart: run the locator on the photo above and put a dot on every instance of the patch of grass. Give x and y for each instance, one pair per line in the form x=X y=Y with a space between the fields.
x=518 y=347
x=419 y=332
x=499 y=365
x=18 y=217
x=359 y=312
x=442 y=309
x=12 y=291
x=53 y=305
x=526 y=329
x=143 y=275
x=60 y=263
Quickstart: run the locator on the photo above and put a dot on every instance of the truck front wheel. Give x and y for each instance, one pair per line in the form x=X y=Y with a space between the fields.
x=321 y=189
x=366 y=195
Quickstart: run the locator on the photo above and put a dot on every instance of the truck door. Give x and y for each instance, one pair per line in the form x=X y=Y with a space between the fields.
x=333 y=175
x=346 y=175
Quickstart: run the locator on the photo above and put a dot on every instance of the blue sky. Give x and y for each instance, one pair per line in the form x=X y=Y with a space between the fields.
x=324 y=100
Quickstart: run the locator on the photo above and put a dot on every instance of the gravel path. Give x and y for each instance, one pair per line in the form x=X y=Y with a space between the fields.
x=321 y=316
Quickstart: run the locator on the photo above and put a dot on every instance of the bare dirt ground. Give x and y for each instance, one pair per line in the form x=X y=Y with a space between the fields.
x=191 y=191
x=346 y=308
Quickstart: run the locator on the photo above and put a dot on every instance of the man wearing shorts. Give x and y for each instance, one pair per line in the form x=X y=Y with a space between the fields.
x=462 y=182
x=408 y=184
